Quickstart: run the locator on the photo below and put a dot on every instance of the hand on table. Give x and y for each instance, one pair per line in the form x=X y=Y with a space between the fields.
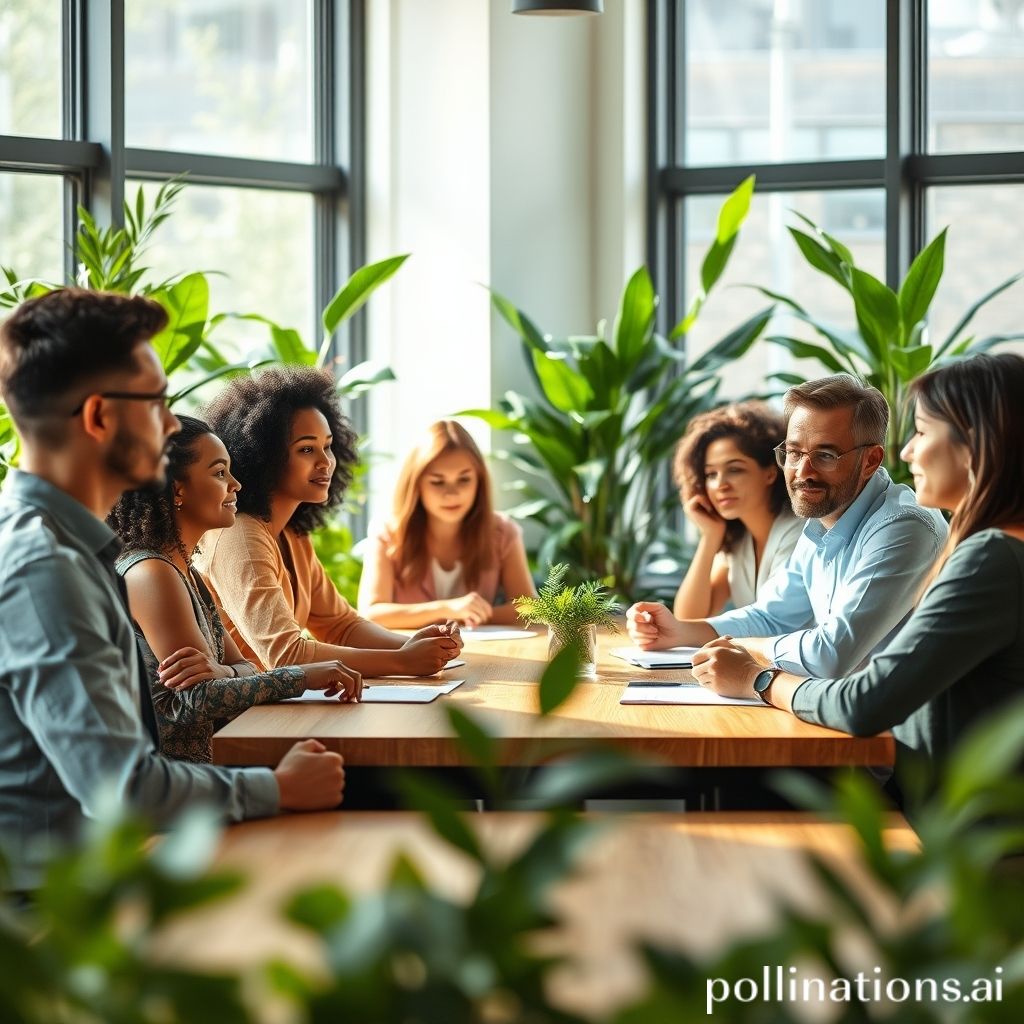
x=334 y=677
x=725 y=668
x=471 y=609
x=651 y=626
x=310 y=778
x=448 y=631
x=426 y=655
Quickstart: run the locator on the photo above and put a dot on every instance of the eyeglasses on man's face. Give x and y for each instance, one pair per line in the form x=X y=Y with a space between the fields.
x=821 y=460
x=131 y=396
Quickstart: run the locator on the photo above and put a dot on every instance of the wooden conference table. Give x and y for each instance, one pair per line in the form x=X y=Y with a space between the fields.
x=691 y=882
x=501 y=692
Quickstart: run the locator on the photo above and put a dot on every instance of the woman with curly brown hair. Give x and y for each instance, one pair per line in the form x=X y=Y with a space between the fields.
x=733 y=492
x=293 y=452
x=197 y=674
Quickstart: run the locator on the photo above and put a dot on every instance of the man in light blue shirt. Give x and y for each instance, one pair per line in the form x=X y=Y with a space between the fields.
x=855 y=572
x=89 y=397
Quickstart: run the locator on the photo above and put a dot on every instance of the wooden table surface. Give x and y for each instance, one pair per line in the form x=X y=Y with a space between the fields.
x=694 y=882
x=501 y=690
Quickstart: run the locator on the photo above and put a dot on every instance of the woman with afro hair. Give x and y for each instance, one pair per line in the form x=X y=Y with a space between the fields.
x=293 y=451
x=197 y=674
x=734 y=493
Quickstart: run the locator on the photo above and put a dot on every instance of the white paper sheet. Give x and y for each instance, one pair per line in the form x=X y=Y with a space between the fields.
x=378 y=693
x=472 y=635
x=674 y=657
x=642 y=692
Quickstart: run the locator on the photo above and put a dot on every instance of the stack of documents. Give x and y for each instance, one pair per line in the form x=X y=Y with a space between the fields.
x=674 y=657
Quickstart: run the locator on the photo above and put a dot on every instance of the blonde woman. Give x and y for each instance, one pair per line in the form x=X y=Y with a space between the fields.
x=445 y=553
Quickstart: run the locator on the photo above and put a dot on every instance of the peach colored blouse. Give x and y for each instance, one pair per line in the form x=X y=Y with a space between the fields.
x=506 y=532
x=270 y=592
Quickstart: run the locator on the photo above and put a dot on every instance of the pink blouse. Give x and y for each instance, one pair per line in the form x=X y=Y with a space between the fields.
x=506 y=533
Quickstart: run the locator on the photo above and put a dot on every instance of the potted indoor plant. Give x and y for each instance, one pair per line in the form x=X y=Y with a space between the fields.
x=572 y=615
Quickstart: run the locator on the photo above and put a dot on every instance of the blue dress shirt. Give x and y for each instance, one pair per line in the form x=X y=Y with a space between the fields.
x=845 y=592
x=71 y=712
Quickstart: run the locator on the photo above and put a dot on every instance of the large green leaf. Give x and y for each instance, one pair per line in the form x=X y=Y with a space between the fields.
x=911 y=362
x=590 y=474
x=357 y=289
x=807 y=350
x=715 y=261
x=364 y=376
x=519 y=322
x=563 y=387
x=559 y=678
x=972 y=310
x=222 y=371
x=439 y=805
x=735 y=343
x=734 y=210
x=603 y=373
x=989 y=751
x=984 y=344
x=878 y=309
x=290 y=347
x=635 y=318
x=819 y=257
x=918 y=288
x=492 y=417
x=187 y=304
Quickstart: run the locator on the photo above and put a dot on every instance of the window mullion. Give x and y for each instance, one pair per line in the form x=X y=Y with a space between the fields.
x=103 y=105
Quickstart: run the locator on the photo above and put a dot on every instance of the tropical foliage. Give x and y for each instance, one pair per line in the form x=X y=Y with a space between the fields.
x=113 y=259
x=892 y=344
x=610 y=408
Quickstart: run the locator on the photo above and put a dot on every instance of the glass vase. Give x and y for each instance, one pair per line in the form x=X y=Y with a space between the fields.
x=587 y=638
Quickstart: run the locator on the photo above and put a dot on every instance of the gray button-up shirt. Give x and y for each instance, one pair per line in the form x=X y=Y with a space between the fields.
x=70 y=720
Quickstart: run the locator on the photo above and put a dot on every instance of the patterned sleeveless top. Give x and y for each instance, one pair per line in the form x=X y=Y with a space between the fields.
x=188 y=718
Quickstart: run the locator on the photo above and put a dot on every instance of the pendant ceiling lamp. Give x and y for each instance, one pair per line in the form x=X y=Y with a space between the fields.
x=557 y=8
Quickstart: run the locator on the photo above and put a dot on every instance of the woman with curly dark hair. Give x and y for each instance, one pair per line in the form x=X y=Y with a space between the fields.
x=733 y=492
x=197 y=673
x=293 y=453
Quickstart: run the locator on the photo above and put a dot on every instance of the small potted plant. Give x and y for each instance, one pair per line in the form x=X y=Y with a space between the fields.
x=572 y=615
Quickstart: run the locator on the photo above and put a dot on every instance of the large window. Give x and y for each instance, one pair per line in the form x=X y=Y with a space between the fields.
x=256 y=102
x=882 y=120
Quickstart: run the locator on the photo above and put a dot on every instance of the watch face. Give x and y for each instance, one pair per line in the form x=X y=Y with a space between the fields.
x=763 y=680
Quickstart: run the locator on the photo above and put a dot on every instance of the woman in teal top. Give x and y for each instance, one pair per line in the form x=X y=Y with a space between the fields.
x=961 y=653
x=197 y=675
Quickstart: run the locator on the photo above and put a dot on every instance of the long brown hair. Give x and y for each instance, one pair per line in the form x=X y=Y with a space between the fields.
x=755 y=428
x=409 y=517
x=982 y=400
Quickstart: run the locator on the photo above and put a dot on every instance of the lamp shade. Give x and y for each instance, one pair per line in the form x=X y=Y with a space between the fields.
x=557 y=8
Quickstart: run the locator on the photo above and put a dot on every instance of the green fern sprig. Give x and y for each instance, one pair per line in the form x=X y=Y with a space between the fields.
x=567 y=610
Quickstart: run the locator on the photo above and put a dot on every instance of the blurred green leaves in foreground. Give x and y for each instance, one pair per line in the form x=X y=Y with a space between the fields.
x=407 y=954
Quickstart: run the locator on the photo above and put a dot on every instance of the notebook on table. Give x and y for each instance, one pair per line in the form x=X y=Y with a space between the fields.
x=665 y=691
x=674 y=657
x=382 y=693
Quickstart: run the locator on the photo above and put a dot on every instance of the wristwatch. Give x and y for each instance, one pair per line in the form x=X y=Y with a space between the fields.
x=763 y=683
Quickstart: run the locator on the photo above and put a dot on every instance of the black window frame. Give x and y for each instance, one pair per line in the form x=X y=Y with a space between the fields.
x=905 y=172
x=94 y=162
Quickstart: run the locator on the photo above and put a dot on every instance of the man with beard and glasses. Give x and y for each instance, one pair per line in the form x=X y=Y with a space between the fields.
x=852 y=578
x=88 y=395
